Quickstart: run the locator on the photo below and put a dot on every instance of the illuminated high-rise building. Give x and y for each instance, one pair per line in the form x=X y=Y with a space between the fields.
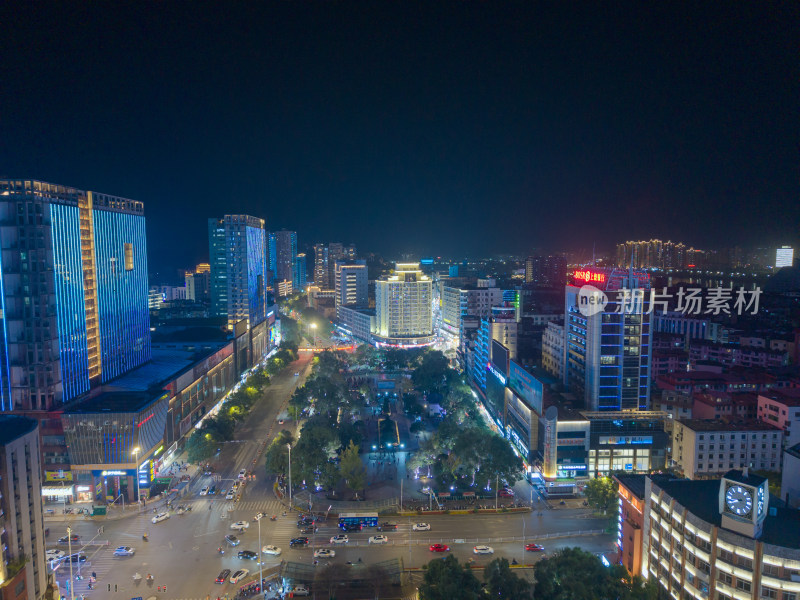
x=351 y=284
x=284 y=264
x=784 y=257
x=403 y=309
x=74 y=292
x=607 y=339
x=238 y=269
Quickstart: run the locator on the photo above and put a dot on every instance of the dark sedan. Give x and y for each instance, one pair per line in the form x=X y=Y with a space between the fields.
x=248 y=555
x=299 y=541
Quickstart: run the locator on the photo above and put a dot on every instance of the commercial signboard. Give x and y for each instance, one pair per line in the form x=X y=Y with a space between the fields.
x=625 y=440
x=526 y=386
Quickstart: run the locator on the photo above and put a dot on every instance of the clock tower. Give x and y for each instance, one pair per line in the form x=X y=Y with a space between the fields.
x=743 y=502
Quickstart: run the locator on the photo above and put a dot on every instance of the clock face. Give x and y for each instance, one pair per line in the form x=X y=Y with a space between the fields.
x=739 y=500
x=760 y=501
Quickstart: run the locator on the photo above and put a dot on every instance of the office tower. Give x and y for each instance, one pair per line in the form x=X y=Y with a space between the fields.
x=198 y=283
x=299 y=281
x=285 y=256
x=500 y=326
x=351 y=284
x=546 y=271
x=607 y=349
x=218 y=260
x=404 y=315
x=243 y=240
x=321 y=266
x=23 y=568
x=74 y=292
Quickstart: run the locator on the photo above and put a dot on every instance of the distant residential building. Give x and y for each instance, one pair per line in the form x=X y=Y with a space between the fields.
x=675 y=404
x=284 y=288
x=198 y=283
x=154 y=298
x=241 y=239
x=740 y=381
x=321 y=266
x=21 y=519
x=553 y=349
x=73 y=284
x=690 y=326
x=299 y=281
x=653 y=254
x=607 y=352
x=468 y=300
x=358 y=323
x=781 y=408
x=708 y=448
x=669 y=361
x=727 y=406
x=730 y=355
x=351 y=284
x=546 y=271
x=403 y=307
x=784 y=257
x=790 y=476
x=285 y=257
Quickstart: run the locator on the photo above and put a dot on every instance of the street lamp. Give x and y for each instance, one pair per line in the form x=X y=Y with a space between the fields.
x=135 y=453
x=289 y=446
x=314 y=327
x=69 y=547
x=260 y=554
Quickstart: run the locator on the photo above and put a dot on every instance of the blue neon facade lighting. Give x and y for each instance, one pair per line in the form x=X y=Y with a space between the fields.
x=256 y=270
x=70 y=300
x=6 y=403
x=124 y=318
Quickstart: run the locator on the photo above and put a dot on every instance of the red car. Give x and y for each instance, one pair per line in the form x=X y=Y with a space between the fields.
x=534 y=548
x=440 y=548
x=506 y=494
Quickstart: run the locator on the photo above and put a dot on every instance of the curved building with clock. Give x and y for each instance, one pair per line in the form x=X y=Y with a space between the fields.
x=721 y=539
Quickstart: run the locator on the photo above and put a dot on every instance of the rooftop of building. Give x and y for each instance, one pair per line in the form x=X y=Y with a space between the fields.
x=717 y=425
x=166 y=364
x=715 y=398
x=13 y=427
x=114 y=402
x=788 y=396
x=701 y=498
x=634 y=483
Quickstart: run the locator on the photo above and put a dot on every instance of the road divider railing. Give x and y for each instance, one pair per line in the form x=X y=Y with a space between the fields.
x=453 y=541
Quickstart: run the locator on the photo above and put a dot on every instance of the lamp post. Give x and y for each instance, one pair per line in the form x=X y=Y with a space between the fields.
x=135 y=453
x=260 y=555
x=69 y=545
x=314 y=327
x=289 y=446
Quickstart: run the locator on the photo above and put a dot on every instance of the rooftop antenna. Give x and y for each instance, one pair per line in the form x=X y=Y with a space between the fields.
x=594 y=263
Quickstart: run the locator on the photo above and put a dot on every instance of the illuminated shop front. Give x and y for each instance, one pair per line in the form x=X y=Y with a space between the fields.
x=110 y=438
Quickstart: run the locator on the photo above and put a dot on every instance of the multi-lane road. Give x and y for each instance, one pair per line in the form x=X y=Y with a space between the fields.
x=182 y=551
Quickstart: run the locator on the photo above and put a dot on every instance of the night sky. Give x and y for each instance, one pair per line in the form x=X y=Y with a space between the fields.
x=430 y=128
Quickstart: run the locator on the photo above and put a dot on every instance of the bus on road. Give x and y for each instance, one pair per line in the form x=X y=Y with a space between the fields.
x=365 y=519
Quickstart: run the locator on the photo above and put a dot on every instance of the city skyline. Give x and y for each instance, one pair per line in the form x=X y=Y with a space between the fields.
x=549 y=127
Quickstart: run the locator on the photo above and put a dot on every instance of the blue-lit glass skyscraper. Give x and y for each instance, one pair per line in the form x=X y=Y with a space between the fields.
x=73 y=287
x=238 y=249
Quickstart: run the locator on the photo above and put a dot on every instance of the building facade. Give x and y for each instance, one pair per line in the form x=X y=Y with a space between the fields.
x=285 y=265
x=607 y=349
x=403 y=307
x=74 y=292
x=351 y=284
x=781 y=409
x=23 y=568
x=708 y=448
x=458 y=302
x=242 y=239
x=546 y=271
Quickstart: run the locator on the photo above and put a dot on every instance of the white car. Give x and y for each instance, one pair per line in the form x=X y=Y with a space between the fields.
x=55 y=554
x=339 y=539
x=324 y=553
x=300 y=590
x=204 y=491
x=160 y=517
x=483 y=550
x=124 y=551
x=240 y=525
x=239 y=575
x=421 y=527
x=378 y=539
x=242 y=473
x=229 y=495
x=274 y=550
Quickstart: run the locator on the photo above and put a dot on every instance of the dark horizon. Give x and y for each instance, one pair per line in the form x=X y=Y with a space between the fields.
x=429 y=129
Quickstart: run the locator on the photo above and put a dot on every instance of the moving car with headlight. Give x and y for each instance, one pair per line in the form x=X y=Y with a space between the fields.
x=124 y=551
x=483 y=550
x=339 y=539
x=239 y=575
x=440 y=548
x=378 y=539
x=273 y=550
x=421 y=527
x=160 y=517
x=324 y=553
x=240 y=525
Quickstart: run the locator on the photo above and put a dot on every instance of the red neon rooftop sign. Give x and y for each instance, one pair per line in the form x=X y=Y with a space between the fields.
x=589 y=276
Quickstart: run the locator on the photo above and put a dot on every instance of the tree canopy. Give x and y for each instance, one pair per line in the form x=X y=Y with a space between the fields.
x=446 y=579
